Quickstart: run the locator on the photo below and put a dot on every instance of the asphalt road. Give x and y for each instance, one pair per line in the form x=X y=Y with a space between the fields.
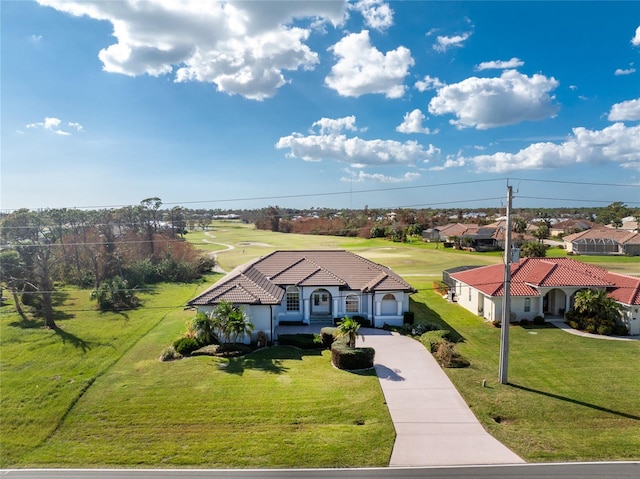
x=612 y=470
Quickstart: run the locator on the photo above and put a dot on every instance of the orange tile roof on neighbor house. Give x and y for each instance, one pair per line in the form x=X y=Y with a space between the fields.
x=263 y=281
x=529 y=274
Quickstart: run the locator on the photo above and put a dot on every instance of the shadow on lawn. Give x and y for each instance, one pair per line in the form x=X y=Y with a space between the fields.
x=269 y=360
x=575 y=401
x=425 y=314
x=73 y=339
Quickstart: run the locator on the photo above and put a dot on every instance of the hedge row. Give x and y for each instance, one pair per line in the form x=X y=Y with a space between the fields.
x=351 y=359
x=302 y=341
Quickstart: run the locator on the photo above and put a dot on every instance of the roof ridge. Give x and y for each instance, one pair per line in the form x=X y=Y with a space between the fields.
x=322 y=269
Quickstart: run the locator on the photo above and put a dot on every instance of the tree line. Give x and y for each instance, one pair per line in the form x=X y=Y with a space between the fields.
x=112 y=251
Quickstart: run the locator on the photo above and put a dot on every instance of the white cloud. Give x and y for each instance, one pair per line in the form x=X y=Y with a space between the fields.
x=36 y=38
x=52 y=124
x=500 y=64
x=241 y=47
x=330 y=142
x=616 y=144
x=335 y=126
x=361 y=177
x=361 y=68
x=625 y=111
x=489 y=102
x=412 y=123
x=429 y=83
x=635 y=41
x=451 y=162
x=376 y=13
x=444 y=43
x=626 y=71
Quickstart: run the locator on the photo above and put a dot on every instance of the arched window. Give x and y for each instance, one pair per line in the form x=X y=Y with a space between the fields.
x=388 y=297
x=293 y=299
x=352 y=304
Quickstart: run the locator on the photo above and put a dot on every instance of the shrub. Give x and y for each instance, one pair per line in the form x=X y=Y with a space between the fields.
x=408 y=317
x=620 y=330
x=420 y=328
x=185 y=346
x=302 y=341
x=604 y=329
x=344 y=357
x=432 y=339
x=114 y=295
x=327 y=336
x=524 y=322
x=538 y=320
x=449 y=357
x=362 y=321
x=169 y=354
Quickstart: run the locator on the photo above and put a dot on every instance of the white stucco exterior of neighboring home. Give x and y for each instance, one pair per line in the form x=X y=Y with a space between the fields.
x=544 y=286
x=312 y=287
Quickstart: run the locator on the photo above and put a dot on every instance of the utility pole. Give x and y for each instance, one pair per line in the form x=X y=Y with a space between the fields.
x=506 y=302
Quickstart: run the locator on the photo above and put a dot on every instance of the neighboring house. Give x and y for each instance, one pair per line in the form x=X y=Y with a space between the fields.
x=544 y=286
x=562 y=228
x=310 y=287
x=480 y=238
x=603 y=241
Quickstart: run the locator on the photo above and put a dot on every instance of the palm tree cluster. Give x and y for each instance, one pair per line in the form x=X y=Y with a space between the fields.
x=594 y=312
x=230 y=323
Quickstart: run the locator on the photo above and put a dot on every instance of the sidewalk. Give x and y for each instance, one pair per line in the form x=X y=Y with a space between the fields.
x=561 y=324
x=434 y=426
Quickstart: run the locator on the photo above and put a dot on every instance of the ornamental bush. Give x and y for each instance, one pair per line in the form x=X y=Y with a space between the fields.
x=432 y=339
x=351 y=359
x=302 y=341
x=327 y=336
x=185 y=346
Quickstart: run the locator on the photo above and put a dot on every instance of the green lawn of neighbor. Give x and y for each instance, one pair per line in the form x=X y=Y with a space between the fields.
x=569 y=398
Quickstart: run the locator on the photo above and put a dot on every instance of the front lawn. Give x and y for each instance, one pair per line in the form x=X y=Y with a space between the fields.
x=98 y=396
x=569 y=398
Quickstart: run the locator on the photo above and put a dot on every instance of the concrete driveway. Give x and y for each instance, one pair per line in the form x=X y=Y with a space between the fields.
x=434 y=426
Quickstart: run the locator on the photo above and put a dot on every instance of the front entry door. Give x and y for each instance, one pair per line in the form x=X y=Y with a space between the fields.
x=321 y=302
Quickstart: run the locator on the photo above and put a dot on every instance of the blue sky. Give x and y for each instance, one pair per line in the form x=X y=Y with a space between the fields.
x=320 y=103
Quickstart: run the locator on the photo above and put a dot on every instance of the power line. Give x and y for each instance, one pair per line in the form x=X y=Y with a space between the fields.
x=351 y=192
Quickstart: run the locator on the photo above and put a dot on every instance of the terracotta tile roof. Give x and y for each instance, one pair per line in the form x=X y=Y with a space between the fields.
x=627 y=289
x=532 y=273
x=264 y=280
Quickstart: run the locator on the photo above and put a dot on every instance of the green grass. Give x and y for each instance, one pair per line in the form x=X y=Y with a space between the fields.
x=43 y=372
x=82 y=396
x=569 y=398
x=103 y=398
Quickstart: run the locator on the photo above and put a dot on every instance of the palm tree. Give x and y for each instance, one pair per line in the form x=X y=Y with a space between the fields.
x=349 y=328
x=597 y=309
x=239 y=324
x=220 y=318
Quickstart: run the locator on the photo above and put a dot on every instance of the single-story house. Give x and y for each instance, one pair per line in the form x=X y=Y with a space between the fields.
x=604 y=241
x=544 y=287
x=570 y=226
x=310 y=287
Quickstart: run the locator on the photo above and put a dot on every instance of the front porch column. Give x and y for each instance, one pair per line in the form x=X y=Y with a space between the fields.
x=378 y=308
x=336 y=307
x=567 y=302
x=399 y=308
x=307 y=309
